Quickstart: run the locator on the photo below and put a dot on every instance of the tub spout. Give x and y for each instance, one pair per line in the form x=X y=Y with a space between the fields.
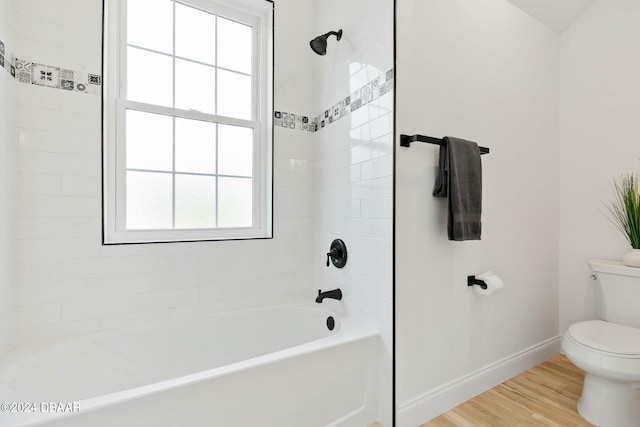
x=334 y=294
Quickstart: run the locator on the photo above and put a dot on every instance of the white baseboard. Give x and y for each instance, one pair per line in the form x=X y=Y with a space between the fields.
x=438 y=401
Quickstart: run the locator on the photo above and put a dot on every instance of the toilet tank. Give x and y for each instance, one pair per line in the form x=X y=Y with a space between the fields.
x=619 y=294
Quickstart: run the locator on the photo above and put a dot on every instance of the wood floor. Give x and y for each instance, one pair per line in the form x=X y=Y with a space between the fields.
x=543 y=396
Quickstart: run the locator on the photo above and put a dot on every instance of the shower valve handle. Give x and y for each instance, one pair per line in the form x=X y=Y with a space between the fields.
x=337 y=254
x=332 y=254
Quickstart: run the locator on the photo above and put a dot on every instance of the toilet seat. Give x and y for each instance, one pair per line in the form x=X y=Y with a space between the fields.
x=608 y=350
x=611 y=339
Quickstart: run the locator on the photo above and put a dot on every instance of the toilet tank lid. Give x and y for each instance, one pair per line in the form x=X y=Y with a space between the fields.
x=607 y=337
x=613 y=267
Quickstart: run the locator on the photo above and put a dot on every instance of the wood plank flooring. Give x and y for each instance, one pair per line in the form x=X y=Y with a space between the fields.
x=543 y=396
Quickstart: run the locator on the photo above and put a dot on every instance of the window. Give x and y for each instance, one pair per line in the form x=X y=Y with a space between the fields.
x=187 y=120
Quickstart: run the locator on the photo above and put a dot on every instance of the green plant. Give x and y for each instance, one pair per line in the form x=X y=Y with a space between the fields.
x=625 y=209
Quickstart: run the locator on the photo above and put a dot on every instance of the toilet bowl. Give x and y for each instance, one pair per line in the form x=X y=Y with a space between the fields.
x=610 y=356
x=608 y=350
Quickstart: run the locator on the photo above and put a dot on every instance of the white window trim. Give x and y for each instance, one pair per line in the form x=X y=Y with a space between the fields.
x=115 y=106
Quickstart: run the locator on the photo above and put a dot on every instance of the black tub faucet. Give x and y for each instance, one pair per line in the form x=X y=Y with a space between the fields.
x=334 y=294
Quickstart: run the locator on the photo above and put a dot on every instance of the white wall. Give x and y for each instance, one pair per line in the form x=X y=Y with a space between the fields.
x=481 y=70
x=600 y=124
x=8 y=181
x=354 y=170
x=69 y=283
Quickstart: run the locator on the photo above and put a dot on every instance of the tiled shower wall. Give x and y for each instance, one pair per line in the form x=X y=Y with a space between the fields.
x=8 y=180
x=69 y=282
x=330 y=181
x=354 y=168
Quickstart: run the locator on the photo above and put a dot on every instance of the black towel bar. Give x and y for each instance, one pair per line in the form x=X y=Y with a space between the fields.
x=406 y=140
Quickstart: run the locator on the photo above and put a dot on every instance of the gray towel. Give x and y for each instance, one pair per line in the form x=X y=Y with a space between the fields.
x=460 y=178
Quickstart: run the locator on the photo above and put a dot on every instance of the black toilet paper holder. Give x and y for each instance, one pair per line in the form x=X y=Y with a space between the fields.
x=472 y=281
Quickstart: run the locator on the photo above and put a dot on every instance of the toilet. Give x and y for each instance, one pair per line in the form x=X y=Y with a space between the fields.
x=608 y=350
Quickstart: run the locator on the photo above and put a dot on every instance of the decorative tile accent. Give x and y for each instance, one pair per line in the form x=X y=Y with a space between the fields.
x=9 y=62
x=367 y=94
x=66 y=84
x=47 y=75
x=24 y=66
x=83 y=84
x=43 y=75
x=53 y=77
x=362 y=96
x=39 y=75
x=24 y=77
x=82 y=81
x=66 y=74
x=94 y=79
x=289 y=120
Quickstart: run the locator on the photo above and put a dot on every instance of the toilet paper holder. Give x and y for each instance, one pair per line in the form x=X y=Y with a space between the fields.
x=472 y=281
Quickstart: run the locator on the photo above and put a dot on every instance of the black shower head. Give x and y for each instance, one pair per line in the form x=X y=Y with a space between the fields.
x=319 y=44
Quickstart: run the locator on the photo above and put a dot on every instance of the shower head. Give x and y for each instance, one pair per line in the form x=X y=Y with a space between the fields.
x=319 y=44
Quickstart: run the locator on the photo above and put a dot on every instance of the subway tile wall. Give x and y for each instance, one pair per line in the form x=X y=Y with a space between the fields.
x=331 y=181
x=8 y=181
x=354 y=169
x=68 y=282
x=334 y=181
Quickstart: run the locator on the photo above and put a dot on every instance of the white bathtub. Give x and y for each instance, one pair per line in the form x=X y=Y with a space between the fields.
x=269 y=367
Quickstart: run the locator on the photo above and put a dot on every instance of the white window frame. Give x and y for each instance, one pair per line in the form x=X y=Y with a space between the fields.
x=259 y=15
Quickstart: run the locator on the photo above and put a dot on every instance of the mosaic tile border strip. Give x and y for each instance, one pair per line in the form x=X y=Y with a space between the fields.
x=49 y=76
x=361 y=97
x=294 y=121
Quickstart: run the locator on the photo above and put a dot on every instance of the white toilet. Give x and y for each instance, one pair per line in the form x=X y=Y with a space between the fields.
x=608 y=350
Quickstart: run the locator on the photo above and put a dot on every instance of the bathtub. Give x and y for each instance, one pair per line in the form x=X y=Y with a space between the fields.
x=266 y=367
